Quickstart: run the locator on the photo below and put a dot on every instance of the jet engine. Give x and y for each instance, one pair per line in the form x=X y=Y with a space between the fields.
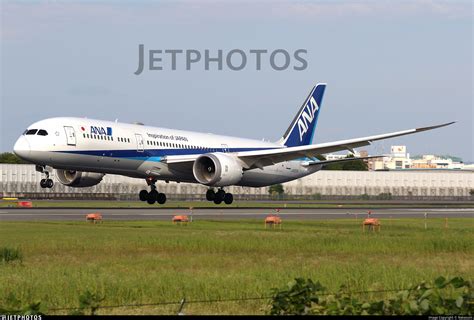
x=217 y=169
x=78 y=179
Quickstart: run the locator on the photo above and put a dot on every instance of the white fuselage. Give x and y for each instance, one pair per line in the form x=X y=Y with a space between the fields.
x=140 y=151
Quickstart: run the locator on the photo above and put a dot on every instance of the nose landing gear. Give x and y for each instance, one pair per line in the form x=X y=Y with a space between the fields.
x=45 y=183
x=219 y=196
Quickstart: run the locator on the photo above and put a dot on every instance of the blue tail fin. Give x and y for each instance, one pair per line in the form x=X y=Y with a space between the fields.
x=302 y=128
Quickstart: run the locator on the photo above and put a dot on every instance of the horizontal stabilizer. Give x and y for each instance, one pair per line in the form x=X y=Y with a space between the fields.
x=326 y=162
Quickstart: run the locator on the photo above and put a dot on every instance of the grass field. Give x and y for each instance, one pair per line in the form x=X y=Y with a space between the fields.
x=237 y=204
x=153 y=261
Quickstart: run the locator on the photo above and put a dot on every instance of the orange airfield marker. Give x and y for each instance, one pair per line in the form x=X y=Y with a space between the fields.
x=371 y=223
x=94 y=217
x=181 y=219
x=272 y=221
x=25 y=204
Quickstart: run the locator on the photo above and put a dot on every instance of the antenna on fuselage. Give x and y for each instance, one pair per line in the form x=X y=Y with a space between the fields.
x=116 y=120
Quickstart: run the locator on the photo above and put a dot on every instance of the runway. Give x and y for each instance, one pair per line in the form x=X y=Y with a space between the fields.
x=46 y=214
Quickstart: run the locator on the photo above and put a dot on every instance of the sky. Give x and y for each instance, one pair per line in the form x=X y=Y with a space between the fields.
x=388 y=65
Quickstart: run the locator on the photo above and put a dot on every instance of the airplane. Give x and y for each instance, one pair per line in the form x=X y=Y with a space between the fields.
x=83 y=150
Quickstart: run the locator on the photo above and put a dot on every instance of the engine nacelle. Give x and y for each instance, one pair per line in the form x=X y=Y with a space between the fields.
x=217 y=169
x=78 y=179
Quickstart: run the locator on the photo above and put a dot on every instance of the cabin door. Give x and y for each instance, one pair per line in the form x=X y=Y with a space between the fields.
x=70 y=136
x=140 y=144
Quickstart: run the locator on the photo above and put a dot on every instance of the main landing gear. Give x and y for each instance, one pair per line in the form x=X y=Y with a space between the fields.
x=45 y=183
x=152 y=196
x=219 y=196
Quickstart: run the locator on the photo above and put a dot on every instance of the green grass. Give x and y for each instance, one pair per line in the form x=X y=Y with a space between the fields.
x=9 y=255
x=236 y=204
x=152 y=261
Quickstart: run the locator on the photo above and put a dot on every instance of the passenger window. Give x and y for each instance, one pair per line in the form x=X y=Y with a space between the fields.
x=42 y=132
x=31 y=131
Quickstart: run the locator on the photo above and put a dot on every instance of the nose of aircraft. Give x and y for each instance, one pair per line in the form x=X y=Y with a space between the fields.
x=22 y=148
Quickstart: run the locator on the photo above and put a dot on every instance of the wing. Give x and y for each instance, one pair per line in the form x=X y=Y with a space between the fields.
x=262 y=158
x=258 y=159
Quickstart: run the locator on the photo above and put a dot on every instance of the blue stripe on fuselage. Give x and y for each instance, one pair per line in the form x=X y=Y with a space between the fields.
x=152 y=154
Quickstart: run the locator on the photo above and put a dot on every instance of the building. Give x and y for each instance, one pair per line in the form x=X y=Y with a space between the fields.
x=23 y=180
x=433 y=162
x=399 y=159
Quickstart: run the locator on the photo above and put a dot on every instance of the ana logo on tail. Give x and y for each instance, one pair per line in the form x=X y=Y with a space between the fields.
x=302 y=127
x=307 y=116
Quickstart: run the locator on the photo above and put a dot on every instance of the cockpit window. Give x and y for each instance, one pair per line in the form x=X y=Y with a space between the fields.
x=31 y=131
x=42 y=132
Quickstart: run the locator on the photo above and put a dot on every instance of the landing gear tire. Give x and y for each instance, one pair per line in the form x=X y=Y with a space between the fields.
x=161 y=198
x=49 y=183
x=220 y=195
x=228 y=198
x=46 y=183
x=143 y=195
x=152 y=197
x=210 y=195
